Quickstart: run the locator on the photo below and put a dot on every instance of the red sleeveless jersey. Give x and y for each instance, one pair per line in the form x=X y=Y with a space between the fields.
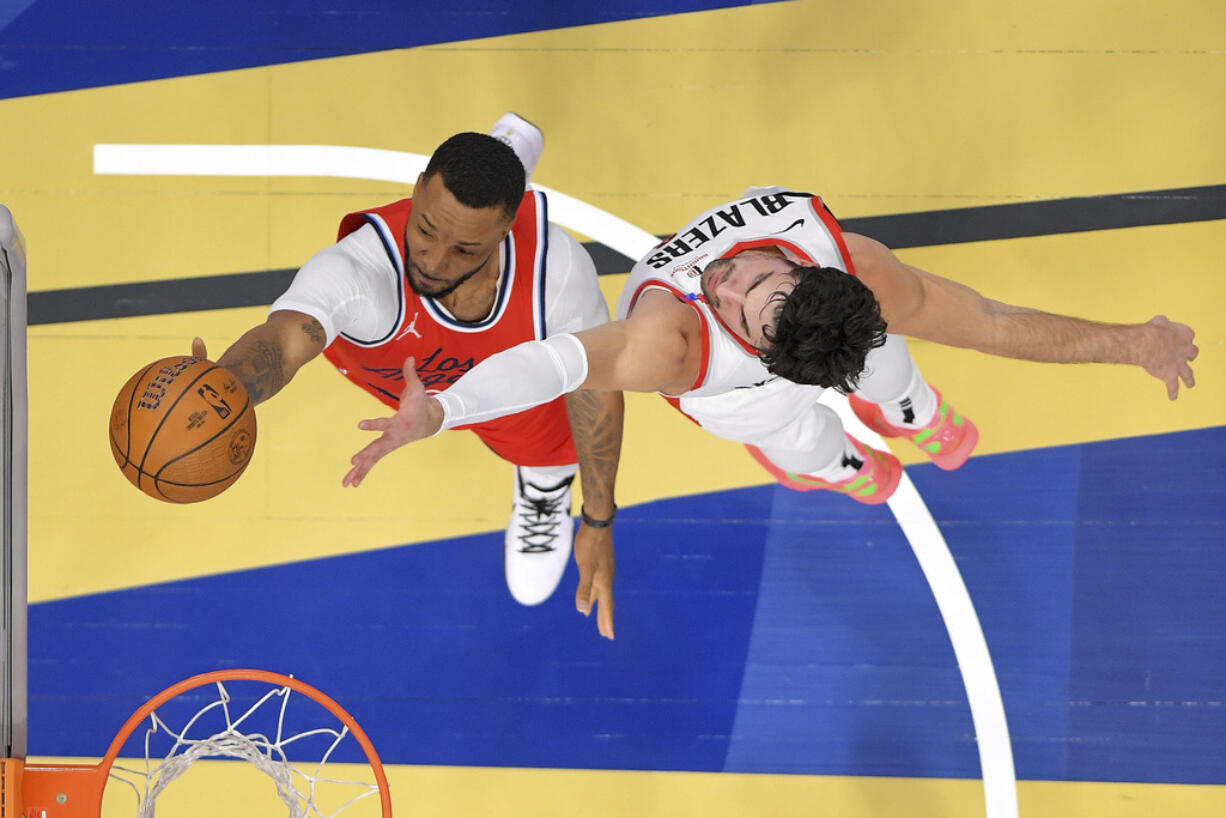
x=446 y=348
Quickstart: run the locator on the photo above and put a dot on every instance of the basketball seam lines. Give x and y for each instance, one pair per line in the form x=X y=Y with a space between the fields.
x=157 y=478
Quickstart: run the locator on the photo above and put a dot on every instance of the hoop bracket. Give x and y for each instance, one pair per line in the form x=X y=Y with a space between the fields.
x=55 y=790
x=11 y=774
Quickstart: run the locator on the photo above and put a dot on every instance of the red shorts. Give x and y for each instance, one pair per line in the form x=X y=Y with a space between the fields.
x=536 y=437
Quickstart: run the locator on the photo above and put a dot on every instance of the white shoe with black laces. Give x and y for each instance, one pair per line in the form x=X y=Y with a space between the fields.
x=539 y=538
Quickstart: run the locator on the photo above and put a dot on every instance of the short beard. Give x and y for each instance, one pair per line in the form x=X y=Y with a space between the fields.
x=444 y=290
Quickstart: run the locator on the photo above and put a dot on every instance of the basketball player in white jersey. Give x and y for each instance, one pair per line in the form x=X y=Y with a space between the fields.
x=468 y=267
x=746 y=314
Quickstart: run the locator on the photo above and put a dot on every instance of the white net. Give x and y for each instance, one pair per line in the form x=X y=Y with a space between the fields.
x=298 y=760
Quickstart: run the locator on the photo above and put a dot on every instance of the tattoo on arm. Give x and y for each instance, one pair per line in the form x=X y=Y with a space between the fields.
x=258 y=365
x=596 y=424
x=266 y=357
x=314 y=330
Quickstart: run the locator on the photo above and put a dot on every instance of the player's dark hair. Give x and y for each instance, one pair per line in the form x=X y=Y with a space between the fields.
x=824 y=330
x=480 y=171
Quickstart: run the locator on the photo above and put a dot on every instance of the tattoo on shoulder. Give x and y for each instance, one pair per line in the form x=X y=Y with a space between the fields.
x=314 y=330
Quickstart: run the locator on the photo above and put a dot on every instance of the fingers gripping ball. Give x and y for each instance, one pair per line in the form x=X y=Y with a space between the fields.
x=182 y=429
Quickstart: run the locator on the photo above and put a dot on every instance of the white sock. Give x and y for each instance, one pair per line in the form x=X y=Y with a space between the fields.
x=832 y=463
x=892 y=381
x=843 y=467
x=913 y=410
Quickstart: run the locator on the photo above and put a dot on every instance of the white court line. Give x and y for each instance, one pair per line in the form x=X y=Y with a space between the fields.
x=921 y=531
x=348 y=163
x=961 y=621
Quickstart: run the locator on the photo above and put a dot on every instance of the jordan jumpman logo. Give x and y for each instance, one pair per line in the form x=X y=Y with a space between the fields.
x=412 y=327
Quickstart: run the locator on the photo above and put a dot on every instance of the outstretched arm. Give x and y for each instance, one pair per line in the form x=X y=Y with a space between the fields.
x=267 y=356
x=655 y=349
x=917 y=303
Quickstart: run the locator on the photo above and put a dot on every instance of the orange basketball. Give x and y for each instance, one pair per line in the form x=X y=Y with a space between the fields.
x=182 y=429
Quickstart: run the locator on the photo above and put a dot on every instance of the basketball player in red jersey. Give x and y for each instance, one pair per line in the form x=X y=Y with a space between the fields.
x=748 y=312
x=469 y=266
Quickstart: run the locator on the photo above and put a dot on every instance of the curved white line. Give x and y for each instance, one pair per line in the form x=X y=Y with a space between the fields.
x=962 y=623
x=259 y=160
x=928 y=544
x=349 y=163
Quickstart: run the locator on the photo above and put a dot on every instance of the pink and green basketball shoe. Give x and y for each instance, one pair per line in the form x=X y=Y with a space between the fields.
x=948 y=438
x=872 y=484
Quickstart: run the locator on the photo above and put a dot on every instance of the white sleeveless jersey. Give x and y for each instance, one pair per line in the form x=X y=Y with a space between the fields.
x=796 y=223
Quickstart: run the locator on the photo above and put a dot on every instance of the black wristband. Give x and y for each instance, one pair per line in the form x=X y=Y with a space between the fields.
x=597 y=523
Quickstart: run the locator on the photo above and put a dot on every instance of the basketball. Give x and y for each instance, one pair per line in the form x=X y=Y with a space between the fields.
x=182 y=429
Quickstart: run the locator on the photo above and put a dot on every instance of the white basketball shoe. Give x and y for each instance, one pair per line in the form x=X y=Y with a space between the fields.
x=539 y=538
x=524 y=138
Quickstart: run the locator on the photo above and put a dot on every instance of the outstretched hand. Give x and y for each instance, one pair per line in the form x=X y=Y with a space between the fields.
x=419 y=416
x=1169 y=353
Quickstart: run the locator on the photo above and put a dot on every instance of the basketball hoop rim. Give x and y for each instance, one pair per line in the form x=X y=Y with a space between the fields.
x=252 y=675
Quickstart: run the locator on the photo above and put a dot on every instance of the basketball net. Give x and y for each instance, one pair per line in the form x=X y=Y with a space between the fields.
x=297 y=785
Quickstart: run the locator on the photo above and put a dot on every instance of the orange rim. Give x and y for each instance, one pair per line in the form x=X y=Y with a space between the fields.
x=247 y=674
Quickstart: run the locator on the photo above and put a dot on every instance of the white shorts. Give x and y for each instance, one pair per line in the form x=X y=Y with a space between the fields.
x=772 y=415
